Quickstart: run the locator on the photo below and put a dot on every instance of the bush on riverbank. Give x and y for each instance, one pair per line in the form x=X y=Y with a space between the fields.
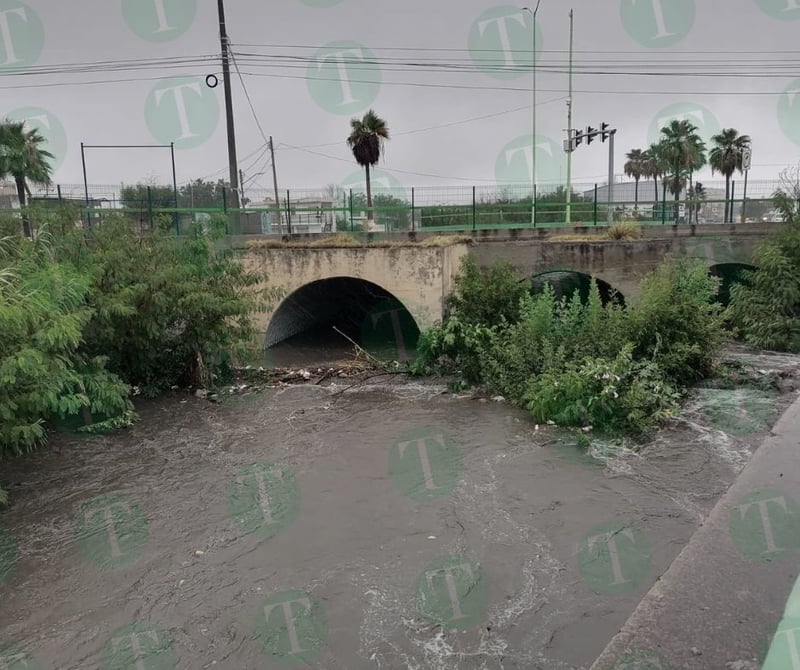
x=85 y=316
x=579 y=364
x=764 y=308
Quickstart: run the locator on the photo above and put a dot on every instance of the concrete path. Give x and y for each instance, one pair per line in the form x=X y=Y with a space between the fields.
x=721 y=600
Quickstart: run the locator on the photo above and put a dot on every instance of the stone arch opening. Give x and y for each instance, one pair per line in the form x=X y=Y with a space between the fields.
x=566 y=282
x=320 y=321
x=728 y=274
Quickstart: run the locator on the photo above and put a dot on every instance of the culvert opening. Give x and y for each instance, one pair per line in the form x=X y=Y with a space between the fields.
x=729 y=274
x=320 y=322
x=566 y=282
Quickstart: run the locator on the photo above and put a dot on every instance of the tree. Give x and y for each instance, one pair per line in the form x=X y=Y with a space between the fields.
x=637 y=166
x=366 y=140
x=726 y=158
x=144 y=195
x=23 y=159
x=683 y=153
x=202 y=194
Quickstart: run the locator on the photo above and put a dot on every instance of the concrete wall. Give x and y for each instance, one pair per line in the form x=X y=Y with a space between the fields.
x=420 y=277
x=622 y=264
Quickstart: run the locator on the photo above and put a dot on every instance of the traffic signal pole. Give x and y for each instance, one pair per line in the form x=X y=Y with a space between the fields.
x=610 y=213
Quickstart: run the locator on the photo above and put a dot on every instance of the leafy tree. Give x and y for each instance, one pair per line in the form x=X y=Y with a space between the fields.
x=637 y=166
x=44 y=373
x=202 y=194
x=140 y=197
x=726 y=158
x=23 y=159
x=366 y=140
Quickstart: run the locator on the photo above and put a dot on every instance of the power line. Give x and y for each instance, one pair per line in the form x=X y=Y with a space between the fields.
x=249 y=101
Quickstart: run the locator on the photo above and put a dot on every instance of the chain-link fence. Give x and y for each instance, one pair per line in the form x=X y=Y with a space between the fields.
x=427 y=208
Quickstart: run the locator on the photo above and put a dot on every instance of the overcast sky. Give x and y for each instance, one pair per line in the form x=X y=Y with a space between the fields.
x=427 y=72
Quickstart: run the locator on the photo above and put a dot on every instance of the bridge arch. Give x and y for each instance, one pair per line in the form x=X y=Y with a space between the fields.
x=360 y=310
x=565 y=282
x=728 y=274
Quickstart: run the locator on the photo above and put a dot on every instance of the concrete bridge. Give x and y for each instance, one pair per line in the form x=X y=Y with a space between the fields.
x=321 y=284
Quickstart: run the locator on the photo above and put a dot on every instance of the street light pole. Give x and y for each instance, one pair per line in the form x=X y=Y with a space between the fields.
x=533 y=13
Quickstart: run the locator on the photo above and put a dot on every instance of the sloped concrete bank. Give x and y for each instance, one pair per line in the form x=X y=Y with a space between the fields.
x=720 y=602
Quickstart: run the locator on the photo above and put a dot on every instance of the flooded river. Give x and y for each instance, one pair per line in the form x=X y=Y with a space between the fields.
x=388 y=525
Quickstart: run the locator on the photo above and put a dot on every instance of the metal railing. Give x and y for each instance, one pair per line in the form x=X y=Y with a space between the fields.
x=431 y=209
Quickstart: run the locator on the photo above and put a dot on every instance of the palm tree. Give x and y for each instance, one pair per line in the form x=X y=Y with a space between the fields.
x=366 y=140
x=636 y=167
x=726 y=158
x=23 y=159
x=683 y=152
x=657 y=168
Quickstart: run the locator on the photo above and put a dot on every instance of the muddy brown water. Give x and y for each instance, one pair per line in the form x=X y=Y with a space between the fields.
x=394 y=525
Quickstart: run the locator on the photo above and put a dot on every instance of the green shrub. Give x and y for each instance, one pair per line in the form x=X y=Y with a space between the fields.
x=675 y=323
x=616 y=395
x=486 y=296
x=163 y=308
x=764 y=309
x=43 y=372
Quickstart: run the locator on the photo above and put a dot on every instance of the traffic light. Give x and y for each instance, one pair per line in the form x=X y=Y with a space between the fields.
x=591 y=133
x=577 y=138
x=604 y=132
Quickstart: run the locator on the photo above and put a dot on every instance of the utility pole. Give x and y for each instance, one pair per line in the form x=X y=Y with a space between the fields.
x=569 y=126
x=533 y=13
x=275 y=184
x=241 y=184
x=233 y=164
x=610 y=214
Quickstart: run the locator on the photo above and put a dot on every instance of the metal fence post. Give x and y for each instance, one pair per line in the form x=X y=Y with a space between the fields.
x=288 y=213
x=474 y=210
x=413 y=218
x=224 y=200
x=594 y=205
x=352 y=223
x=733 y=200
x=663 y=206
x=150 y=207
